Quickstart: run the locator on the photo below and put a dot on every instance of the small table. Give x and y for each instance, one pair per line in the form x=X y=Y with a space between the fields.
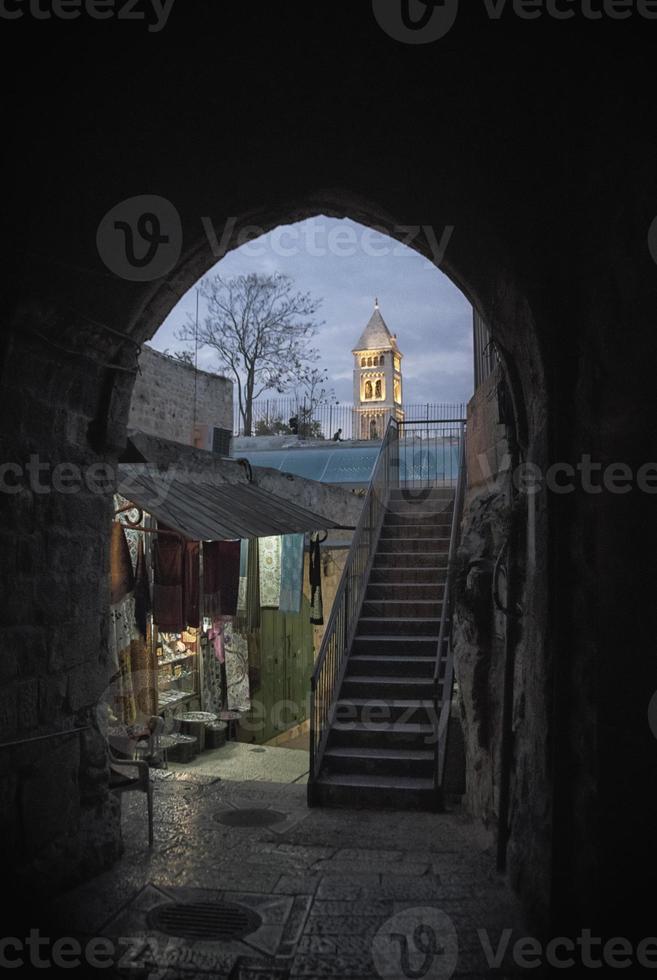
x=231 y=718
x=194 y=722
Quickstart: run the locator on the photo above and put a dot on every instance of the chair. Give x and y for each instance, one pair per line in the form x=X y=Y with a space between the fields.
x=122 y=780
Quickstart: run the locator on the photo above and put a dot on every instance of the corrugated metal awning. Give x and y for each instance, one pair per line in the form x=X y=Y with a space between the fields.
x=214 y=511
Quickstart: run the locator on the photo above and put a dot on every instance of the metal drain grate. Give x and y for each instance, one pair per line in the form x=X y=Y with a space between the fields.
x=211 y=921
x=250 y=818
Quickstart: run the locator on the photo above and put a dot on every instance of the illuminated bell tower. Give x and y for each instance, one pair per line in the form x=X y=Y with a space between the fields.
x=377 y=379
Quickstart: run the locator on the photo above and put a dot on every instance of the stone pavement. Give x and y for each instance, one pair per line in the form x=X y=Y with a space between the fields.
x=243 y=761
x=335 y=893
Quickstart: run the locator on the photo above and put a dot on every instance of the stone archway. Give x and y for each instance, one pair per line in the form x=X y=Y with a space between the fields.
x=549 y=244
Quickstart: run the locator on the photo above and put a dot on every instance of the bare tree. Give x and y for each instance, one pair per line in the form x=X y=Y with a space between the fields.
x=260 y=330
x=314 y=392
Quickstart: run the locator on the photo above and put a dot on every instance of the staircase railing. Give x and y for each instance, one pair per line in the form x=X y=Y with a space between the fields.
x=341 y=626
x=442 y=698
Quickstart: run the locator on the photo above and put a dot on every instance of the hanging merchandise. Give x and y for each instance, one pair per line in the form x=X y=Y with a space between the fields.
x=270 y=571
x=142 y=590
x=253 y=588
x=237 y=669
x=216 y=637
x=292 y=553
x=168 y=582
x=315 y=577
x=122 y=579
x=221 y=573
x=241 y=591
x=122 y=627
x=143 y=667
x=191 y=584
x=213 y=656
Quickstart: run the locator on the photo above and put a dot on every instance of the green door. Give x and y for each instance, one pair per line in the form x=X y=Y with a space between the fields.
x=282 y=652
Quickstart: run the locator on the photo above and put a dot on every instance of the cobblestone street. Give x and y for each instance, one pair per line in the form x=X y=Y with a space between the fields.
x=323 y=885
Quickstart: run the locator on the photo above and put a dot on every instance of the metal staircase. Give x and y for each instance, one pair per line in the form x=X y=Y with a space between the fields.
x=383 y=682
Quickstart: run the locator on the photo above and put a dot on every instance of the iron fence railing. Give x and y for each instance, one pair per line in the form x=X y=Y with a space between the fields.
x=341 y=626
x=443 y=679
x=429 y=451
x=273 y=417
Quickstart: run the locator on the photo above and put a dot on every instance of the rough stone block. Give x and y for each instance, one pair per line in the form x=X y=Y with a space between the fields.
x=86 y=685
x=49 y=795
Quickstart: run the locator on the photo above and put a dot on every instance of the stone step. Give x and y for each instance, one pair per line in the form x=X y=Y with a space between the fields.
x=414 y=493
x=383 y=762
x=400 y=575
x=409 y=559
x=393 y=608
x=382 y=711
x=373 y=664
x=401 y=626
x=417 y=518
x=375 y=792
x=384 y=686
x=397 y=646
x=422 y=545
x=415 y=531
x=405 y=591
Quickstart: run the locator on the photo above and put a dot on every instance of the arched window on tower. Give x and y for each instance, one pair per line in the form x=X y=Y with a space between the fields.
x=363 y=362
x=377 y=390
x=381 y=359
x=368 y=389
x=369 y=362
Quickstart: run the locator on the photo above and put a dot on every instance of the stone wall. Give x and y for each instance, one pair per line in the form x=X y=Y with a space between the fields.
x=164 y=394
x=484 y=637
x=58 y=821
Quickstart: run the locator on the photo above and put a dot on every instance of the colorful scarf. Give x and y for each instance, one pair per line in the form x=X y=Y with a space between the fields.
x=269 y=555
x=291 y=573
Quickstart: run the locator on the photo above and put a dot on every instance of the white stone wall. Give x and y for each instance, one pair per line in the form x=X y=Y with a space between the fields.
x=163 y=398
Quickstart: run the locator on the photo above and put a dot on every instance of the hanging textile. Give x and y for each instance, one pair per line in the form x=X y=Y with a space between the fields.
x=191 y=584
x=122 y=580
x=291 y=573
x=221 y=574
x=253 y=588
x=212 y=686
x=122 y=631
x=315 y=577
x=241 y=590
x=216 y=637
x=237 y=669
x=143 y=670
x=168 y=564
x=142 y=590
x=269 y=556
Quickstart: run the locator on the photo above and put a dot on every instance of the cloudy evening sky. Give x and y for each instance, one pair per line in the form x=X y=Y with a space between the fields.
x=348 y=265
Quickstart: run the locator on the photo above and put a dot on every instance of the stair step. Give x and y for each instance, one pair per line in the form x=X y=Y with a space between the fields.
x=421 y=545
x=421 y=531
x=426 y=626
x=410 y=559
x=404 y=591
x=414 y=518
x=417 y=735
x=375 y=791
x=379 y=762
x=362 y=665
x=400 y=575
x=401 y=608
x=398 y=646
x=382 y=711
x=386 y=709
